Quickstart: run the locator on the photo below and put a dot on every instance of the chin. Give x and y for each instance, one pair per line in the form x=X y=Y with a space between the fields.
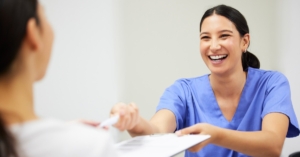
x=40 y=77
x=218 y=70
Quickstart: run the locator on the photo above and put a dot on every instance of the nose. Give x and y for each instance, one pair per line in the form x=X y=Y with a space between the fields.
x=214 y=46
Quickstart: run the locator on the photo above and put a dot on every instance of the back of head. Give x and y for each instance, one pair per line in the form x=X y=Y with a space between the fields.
x=248 y=59
x=14 y=15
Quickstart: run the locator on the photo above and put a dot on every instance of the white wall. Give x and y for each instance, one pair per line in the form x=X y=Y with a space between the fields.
x=82 y=78
x=288 y=59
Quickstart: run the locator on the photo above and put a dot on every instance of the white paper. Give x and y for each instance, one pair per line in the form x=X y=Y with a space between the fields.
x=161 y=145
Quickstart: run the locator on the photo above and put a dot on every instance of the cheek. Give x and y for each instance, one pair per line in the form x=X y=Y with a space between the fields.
x=48 y=41
x=50 y=35
x=204 y=48
x=231 y=45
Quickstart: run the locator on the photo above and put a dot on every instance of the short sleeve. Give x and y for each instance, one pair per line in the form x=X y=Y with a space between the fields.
x=174 y=99
x=278 y=99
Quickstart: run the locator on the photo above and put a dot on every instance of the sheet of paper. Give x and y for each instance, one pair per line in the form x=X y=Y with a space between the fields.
x=161 y=145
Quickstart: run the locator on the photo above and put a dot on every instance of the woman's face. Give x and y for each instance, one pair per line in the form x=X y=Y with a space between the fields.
x=221 y=46
x=46 y=37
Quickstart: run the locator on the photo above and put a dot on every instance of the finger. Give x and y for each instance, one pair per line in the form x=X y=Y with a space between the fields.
x=88 y=122
x=116 y=109
x=128 y=120
x=195 y=129
x=136 y=111
x=133 y=114
x=92 y=123
x=136 y=115
x=130 y=116
x=106 y=128
x=198 y=147
x=121 y=120
x=125 y=118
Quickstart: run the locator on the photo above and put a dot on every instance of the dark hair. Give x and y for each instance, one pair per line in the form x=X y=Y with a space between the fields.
x=14 y=16
x=248 y=59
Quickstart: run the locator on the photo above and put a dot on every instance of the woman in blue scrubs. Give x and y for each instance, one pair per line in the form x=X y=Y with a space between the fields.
x=247 y=111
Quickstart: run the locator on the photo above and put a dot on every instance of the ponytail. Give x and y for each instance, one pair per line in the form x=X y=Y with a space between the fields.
x=7 y=142
x=249 y=60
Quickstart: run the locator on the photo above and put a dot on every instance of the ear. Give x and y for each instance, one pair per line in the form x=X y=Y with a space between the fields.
x=245 y=41
x=33 y=36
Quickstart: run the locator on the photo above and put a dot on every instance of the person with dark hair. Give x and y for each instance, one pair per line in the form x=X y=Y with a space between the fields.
x=246 y=110
x=25 y=47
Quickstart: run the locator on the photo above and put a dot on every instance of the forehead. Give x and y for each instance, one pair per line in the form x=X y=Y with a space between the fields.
x=216 y=23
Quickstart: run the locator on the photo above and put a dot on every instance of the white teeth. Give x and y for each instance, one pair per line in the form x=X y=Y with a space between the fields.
x=217 y=56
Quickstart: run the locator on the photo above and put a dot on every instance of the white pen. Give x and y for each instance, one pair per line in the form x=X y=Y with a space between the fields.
x=110 y=121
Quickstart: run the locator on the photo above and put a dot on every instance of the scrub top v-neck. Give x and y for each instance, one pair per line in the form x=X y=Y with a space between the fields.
x=215 y=110
x=193 y=101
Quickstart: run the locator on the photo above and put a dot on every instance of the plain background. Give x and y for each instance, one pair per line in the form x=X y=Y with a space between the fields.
x=107 y=51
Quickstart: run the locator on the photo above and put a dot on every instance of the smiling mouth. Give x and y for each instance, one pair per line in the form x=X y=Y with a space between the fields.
x=217 y=57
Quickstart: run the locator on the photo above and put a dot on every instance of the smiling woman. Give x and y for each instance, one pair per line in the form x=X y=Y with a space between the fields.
x=246 y=110
x=228 y=23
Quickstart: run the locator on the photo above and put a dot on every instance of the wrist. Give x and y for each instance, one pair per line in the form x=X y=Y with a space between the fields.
x=138 y=128
x=216 y=137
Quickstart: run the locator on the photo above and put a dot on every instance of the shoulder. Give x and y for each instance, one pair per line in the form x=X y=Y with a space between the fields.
x=267 y=76
x=185 y=86
x=45 y=137
x=265 y=73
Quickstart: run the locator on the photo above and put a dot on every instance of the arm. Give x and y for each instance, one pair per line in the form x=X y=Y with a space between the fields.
x=172 y=102
x=162 y=122
x=267 y=142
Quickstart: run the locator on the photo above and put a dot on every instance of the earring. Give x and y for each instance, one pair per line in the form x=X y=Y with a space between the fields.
x=245 y=51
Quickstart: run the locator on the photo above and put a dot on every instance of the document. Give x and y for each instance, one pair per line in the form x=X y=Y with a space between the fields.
x=159 y=145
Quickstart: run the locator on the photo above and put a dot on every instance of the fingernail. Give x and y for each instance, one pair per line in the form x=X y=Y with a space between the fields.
x=178 y=133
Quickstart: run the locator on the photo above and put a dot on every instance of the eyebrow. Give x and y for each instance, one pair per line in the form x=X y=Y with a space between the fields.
x=225 y=30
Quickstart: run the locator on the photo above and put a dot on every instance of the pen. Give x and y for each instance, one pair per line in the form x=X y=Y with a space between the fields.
x=110 y=121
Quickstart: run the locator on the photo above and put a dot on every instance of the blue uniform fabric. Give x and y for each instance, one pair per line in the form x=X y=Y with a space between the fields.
x=193 y=101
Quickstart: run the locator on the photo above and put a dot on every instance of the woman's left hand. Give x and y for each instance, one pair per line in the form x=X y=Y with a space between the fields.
x=202 y=129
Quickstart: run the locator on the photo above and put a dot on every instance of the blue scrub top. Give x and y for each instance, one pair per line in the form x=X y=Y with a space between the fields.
x=193 y=101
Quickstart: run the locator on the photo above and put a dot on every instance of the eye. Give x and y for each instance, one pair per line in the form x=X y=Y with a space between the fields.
x=224 y=36
x=204 y=37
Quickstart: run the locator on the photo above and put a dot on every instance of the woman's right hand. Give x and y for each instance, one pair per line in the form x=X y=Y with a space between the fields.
x=128 y=116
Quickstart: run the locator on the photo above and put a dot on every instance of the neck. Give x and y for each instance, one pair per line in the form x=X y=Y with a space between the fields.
x=16 y=99
x=230 y=85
